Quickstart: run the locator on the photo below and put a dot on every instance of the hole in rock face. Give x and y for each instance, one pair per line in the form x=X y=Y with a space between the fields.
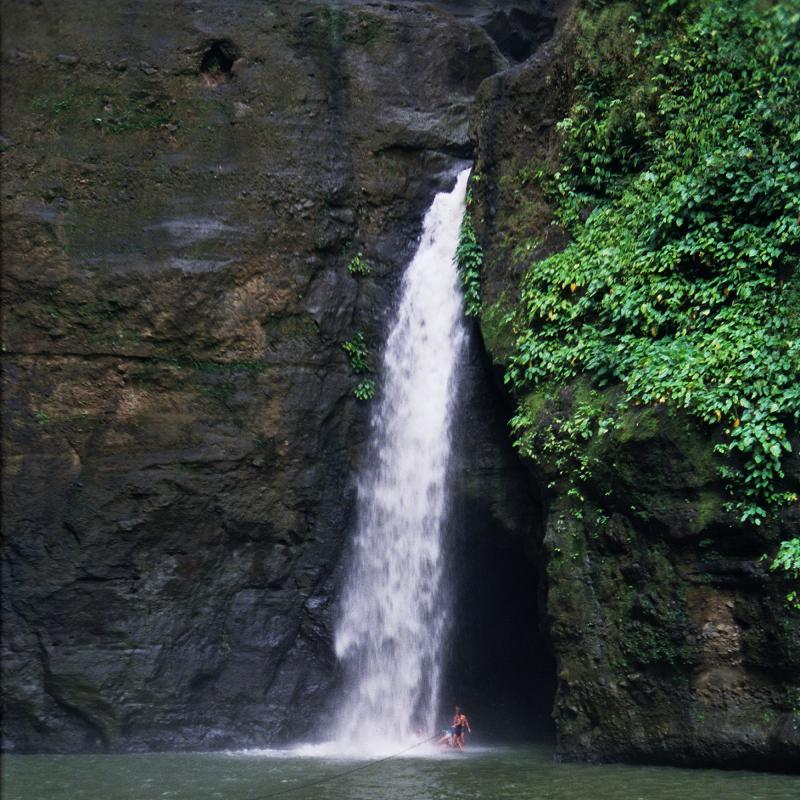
x=500 y=667
x=217 y=62
x=517 y=33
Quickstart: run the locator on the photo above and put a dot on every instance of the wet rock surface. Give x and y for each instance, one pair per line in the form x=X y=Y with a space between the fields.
x=184 y=186
x=672 y=640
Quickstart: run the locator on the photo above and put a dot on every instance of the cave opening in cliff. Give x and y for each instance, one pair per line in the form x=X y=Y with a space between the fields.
x=518 y=33
x=500 y=664
x=217 y=62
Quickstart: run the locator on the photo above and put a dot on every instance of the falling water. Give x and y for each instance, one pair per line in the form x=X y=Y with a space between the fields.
x=394 y=614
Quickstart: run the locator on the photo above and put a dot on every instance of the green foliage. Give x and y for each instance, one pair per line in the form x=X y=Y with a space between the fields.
x=359 y=265
x=365 y=390
x=788 y=560
x=680 y=185
x=356 y=349
x=469 y=259
x=566 y=440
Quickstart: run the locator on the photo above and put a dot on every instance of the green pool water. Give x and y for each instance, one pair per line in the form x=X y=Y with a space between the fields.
x=486 y=773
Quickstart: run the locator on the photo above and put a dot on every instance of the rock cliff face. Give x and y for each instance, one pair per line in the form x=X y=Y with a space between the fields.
x=672 y=640
x=184 y=186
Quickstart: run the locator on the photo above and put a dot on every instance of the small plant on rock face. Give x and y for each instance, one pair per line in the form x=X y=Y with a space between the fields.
x=564 y=441
x=365 y=390
x=359 y=265
x=356 y=349
x=469 y=260
x=787 y=560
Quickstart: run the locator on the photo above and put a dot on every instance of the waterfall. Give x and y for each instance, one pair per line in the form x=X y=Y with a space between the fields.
x=395 y=606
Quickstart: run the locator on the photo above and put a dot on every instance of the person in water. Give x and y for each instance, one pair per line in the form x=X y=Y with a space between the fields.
x=459 y=726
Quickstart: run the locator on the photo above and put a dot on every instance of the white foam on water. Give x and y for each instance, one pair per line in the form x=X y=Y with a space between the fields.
x=395 y=611
x=335 y=751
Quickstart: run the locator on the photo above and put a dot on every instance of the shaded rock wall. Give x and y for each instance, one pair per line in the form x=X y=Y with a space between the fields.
x=501 y=668
x=184 y=185
x=183 y=189
x=671 y=638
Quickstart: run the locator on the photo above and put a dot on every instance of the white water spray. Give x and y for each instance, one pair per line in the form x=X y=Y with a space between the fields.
x=394 y=613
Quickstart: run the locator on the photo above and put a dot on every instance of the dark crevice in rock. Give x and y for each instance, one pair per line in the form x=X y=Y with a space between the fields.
x=457 y=150
x=519 y=32
x=501 y=666
x=217 y=61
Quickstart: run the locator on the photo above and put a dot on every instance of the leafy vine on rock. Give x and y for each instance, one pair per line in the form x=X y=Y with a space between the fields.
x=679 y=182
x=357 y=352
x=469 y=260
x=356 y=349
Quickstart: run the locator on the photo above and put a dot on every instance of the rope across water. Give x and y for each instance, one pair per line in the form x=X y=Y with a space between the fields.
x=335 y=776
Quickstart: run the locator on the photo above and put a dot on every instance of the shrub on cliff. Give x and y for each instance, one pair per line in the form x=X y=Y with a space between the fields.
x=679 y=182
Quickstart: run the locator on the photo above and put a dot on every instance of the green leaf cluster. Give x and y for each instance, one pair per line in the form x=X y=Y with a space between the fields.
x=356 y=349
x=365 y=390
x=566 y=440
x=680 y=185
x=359 y=265
x=469 y=260
x=787 y=560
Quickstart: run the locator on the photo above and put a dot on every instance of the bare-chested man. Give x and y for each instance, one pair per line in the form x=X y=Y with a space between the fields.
x=460 y=724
